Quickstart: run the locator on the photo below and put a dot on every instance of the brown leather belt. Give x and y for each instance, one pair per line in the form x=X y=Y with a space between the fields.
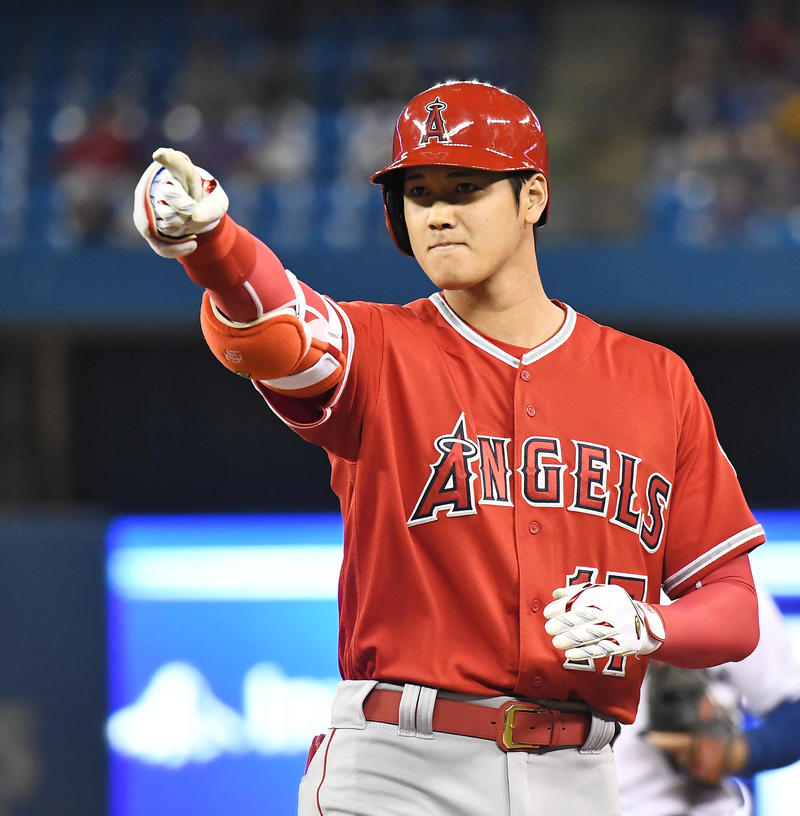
x=514 y=726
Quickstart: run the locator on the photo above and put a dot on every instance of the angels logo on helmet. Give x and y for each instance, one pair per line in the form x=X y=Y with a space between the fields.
x=435 y=127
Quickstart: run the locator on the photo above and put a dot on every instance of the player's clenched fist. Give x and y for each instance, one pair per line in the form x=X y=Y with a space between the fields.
x=175 y=201
x=600 y=620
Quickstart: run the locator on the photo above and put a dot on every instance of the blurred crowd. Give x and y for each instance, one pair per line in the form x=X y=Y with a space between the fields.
x=724 y=155
x=293 y=113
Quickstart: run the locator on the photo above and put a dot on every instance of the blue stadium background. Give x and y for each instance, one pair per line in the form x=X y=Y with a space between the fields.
x=674 y=133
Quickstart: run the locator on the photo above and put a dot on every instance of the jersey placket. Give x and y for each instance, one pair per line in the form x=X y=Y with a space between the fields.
x=530 y=529
x=536 y=529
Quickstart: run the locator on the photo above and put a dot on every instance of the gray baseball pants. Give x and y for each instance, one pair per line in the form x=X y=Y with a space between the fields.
x=373 y=769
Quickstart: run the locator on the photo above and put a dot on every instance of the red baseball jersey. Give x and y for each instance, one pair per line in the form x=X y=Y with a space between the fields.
x=475 y=478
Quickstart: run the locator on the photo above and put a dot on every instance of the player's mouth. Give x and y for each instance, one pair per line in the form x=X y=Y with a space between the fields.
x=445 y=245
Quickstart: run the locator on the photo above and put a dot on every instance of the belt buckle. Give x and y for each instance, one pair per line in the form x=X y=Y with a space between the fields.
x=510 y=710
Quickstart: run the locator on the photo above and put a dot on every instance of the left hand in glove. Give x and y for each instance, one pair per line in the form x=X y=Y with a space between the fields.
x=601 y=620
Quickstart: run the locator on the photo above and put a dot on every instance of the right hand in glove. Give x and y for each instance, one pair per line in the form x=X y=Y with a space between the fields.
x=174 y=202
x=601 y=620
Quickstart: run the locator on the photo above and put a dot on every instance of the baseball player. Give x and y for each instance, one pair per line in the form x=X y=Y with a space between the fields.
x=517 y=482
x=686 y=773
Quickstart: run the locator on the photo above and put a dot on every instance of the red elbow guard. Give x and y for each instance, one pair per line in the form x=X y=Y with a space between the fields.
x=279 y=351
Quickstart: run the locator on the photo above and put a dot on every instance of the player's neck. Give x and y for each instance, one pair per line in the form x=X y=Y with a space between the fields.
x=520 y=316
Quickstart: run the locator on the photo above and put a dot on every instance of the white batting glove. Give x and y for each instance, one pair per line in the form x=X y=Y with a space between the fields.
x=174 y=202
x=601 y=620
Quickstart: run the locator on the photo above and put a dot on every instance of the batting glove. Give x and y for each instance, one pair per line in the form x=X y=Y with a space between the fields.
x=601 y=620
x=174 y=202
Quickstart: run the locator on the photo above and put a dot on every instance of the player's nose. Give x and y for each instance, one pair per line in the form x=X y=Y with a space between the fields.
x=440 y=215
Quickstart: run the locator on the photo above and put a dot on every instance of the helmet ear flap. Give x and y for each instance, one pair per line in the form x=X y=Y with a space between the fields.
x=395 y=219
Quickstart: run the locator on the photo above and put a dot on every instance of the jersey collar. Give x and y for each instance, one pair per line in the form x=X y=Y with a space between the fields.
x=468 y=333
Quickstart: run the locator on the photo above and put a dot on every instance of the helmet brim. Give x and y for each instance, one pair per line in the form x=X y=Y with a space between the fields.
x=454 y=155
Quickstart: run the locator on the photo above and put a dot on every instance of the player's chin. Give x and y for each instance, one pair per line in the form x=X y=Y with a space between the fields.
x=451 y=275
x=451 y=283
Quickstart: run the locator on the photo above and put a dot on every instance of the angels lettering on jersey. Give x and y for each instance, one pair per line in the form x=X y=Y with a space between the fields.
x=600 y=482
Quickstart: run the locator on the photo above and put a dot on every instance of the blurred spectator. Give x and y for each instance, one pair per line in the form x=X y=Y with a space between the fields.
x=726 y=144
x=768 y=37
x=199 y=96
x=96 y=160
x=274 y=124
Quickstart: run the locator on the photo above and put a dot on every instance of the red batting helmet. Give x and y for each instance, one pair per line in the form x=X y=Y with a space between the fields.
x=461 y=124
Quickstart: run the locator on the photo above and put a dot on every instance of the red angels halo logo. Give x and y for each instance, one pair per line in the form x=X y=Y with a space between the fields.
x=435 y=127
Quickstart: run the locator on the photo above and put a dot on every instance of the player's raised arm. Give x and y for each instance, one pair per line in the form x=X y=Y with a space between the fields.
x=257 y=318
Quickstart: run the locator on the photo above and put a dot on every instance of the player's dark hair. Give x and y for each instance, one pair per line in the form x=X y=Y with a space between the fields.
x=517 y=180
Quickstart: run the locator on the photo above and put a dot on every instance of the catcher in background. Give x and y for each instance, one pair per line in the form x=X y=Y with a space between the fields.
x=689 y=738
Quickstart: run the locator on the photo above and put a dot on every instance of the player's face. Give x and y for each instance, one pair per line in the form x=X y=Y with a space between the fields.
x=465 y=225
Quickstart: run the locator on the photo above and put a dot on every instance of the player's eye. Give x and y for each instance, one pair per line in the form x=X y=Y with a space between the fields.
x=466 y=187
x=417 y=191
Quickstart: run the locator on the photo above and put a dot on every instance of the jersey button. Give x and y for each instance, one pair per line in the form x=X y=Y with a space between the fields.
x=530 y=410
x=534 y=527
x=538 y=680
x=525 y=375
x=536 y=605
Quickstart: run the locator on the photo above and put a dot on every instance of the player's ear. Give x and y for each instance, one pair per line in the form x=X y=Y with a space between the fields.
x=533 y=198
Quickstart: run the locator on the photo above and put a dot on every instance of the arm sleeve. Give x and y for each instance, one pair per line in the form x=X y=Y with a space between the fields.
x=714 y=623
x=243 y=276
